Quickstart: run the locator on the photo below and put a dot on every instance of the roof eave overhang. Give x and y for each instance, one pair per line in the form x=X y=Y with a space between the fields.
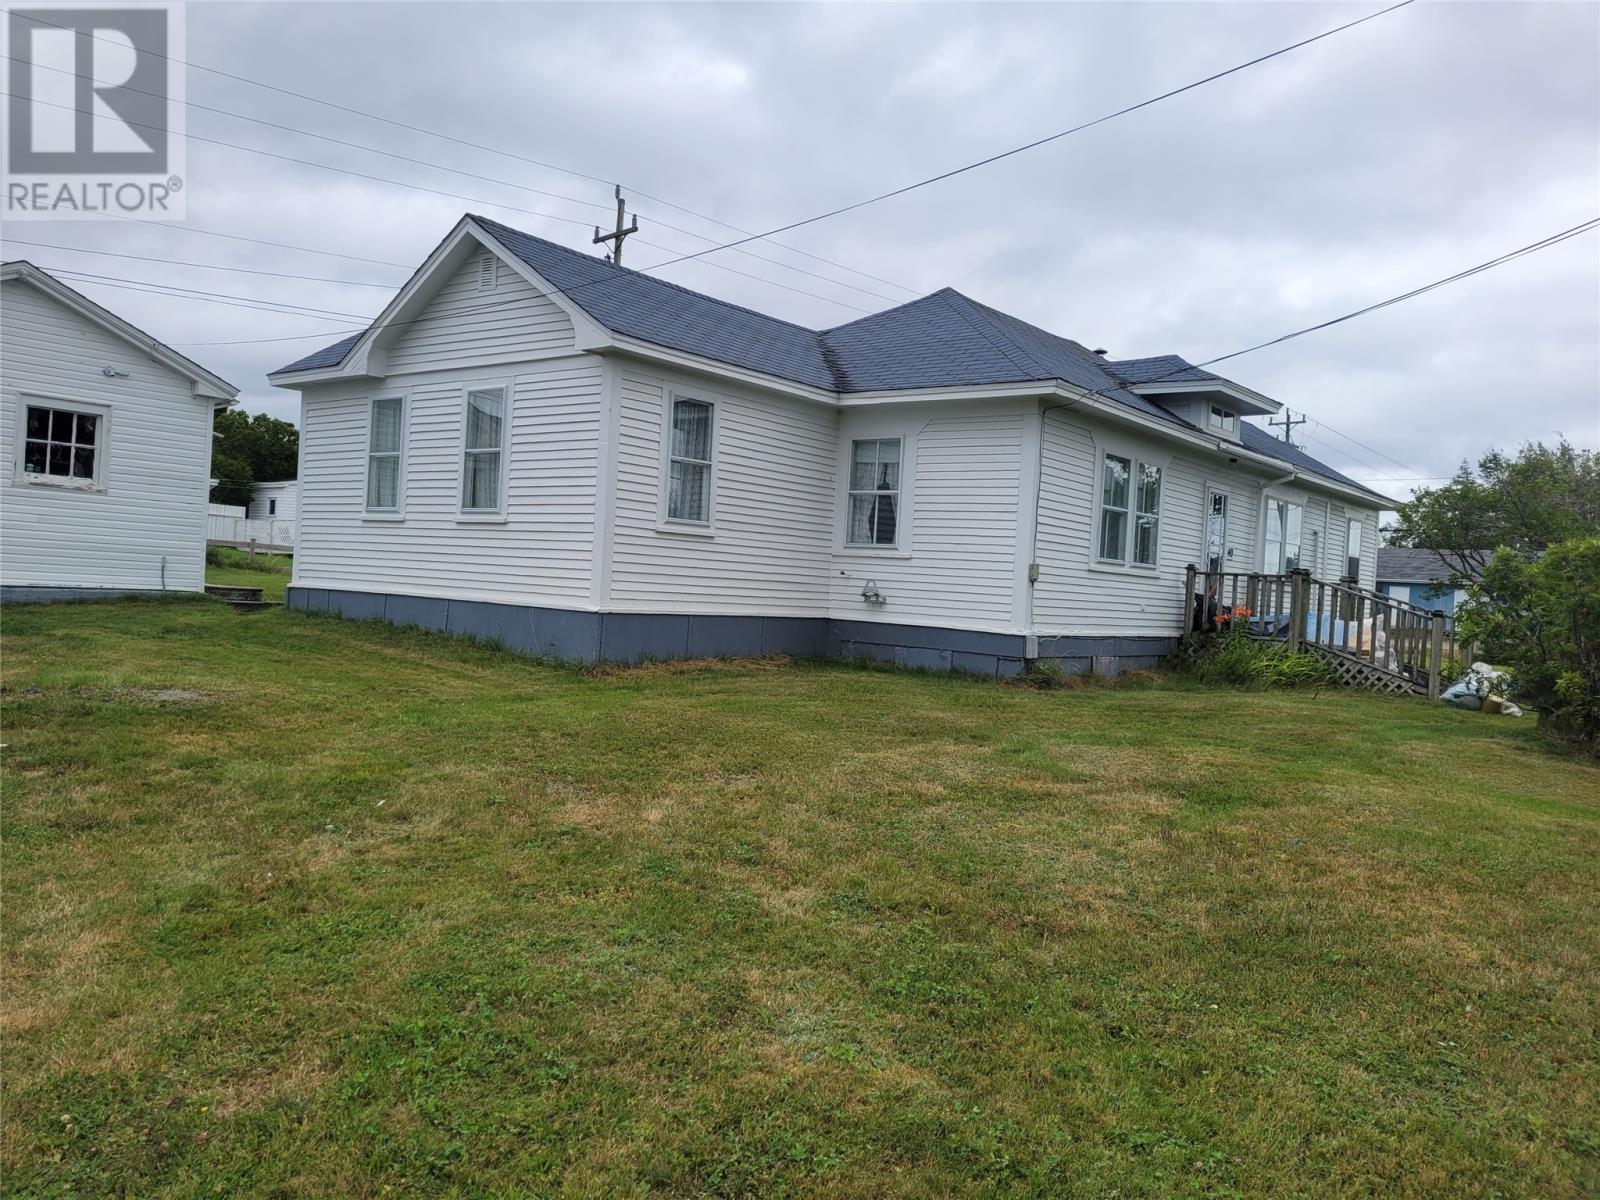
x=1077 y=397
x=1249 y=401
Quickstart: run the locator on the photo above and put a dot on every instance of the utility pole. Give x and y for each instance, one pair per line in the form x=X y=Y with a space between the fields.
x=620 y=233
x=1289 y=422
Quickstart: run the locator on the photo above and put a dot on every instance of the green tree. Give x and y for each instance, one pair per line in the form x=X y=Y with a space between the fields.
x=1527 y=502
x=1540 y=618
x=247 y=449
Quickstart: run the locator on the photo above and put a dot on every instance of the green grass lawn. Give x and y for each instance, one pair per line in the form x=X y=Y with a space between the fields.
x=269 y=572
x=302 y=907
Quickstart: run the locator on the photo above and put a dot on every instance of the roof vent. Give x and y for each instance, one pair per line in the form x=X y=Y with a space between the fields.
x=1101 y=351
x=488 y=272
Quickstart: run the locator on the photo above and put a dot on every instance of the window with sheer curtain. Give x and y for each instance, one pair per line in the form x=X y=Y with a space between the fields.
x=383 y=454
x=689 y=463
x=1281 y=537
x=484 y=451
x=874 y=492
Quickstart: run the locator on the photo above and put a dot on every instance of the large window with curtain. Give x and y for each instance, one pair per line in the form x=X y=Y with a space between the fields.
x=874 y=492
x=1281 y=537
x=385 y=431
x=689 y=462
x=1352 y=548
x=1130 y=512
x=483 y=465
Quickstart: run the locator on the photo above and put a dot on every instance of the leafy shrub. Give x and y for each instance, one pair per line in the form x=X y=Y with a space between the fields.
x=1230 y=657
x=1539 y=617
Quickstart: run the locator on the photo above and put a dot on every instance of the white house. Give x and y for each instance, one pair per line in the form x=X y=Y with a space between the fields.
x=274 y=501
x=108 y=433
x=534 y=446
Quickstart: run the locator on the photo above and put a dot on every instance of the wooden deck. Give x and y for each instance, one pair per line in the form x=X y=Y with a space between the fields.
x=1371 y=640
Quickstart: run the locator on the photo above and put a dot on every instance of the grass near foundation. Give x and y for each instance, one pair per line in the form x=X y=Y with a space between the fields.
x=235 y=568
x=300 y=907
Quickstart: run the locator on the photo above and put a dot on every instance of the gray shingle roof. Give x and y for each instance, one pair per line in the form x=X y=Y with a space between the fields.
x=941 y=340
x=1401 y=564
x=1168 y=368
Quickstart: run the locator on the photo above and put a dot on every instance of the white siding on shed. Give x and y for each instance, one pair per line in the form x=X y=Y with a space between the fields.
x=157 y=458
x=541 y=553
x=465 y=327
x=772 y=504
x=284 y=493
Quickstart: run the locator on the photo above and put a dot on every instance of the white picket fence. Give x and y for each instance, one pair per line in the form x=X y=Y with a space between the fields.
x=266 y=532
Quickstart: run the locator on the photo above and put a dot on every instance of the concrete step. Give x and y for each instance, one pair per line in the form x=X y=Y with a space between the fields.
x=232 y=593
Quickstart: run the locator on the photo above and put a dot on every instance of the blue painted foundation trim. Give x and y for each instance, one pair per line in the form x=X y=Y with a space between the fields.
x=573 y=636
x=1108 y=656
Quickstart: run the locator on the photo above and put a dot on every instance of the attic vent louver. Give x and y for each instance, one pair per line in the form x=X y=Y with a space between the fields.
x=488 y=272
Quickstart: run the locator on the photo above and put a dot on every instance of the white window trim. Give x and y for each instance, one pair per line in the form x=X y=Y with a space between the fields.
x=102 y=446
x=678 y=525
x=1229 y=424
x=484 y=516
x=1136 y=458
x=901 y=546
x=1298 y=499
x=398 y=512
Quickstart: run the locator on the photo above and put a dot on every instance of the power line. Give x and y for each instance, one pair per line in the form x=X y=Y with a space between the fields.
x=148 y=283
x=466 y=174
x=1500 y=260
x=994 y=158
x=178 y=262
x=503 y=153
x=417 y=187
x=900 y=191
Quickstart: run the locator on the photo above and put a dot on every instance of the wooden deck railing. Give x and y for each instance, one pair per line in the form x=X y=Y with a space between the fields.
x=1372 y=639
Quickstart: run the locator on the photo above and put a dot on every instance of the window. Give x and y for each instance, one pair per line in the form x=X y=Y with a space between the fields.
x=1130 y=511
x=1281 y=542
x=874 y=492
x=484 y=455
x=1352 y=549
x=272 y=506
x=1222 y=419
x=689 y=463
x=62 y=445
x=384 y=437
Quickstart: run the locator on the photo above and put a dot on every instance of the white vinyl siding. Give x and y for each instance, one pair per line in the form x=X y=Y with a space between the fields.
x=275 y=500
x=774 y=484
x=961 y=501
x=152 y=462
x=1078 y=594
x=541 y=553
x=465 y=327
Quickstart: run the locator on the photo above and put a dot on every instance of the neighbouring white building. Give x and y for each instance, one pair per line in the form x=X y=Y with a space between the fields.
x=534 y=446
x=274 y=501
x=108 y=436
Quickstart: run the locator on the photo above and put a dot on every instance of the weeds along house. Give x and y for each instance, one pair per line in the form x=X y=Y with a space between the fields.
x=106 y=433
x=534 y=446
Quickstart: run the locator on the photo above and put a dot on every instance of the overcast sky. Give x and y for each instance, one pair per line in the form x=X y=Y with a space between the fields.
x=1417 y=144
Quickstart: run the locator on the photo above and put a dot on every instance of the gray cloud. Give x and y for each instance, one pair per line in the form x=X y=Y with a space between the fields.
x=1390 y=155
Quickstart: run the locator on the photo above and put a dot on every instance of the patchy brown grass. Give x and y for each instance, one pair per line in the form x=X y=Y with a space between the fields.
x=386 y=914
